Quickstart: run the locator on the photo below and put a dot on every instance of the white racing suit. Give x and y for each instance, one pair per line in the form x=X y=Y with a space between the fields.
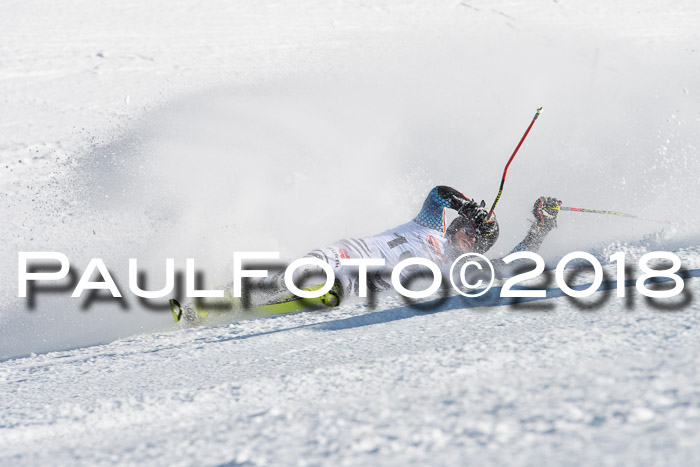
x=395 y=245
x=423 y=237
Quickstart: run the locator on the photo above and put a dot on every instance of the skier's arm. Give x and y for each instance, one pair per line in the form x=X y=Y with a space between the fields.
x=454 y=198
x=433 y=211
x=545 y=211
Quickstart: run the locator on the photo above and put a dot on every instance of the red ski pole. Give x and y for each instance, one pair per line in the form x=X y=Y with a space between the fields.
x=503 y=180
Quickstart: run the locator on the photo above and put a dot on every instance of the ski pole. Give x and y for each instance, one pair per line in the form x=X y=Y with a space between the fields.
x=597 y=211
x=503 y=180
x=617 y=213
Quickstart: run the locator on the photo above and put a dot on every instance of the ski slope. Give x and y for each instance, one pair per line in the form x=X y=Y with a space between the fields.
x=187 y=129
x=546 y=384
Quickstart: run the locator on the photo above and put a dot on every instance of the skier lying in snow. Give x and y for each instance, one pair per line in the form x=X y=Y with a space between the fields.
x=474 y=230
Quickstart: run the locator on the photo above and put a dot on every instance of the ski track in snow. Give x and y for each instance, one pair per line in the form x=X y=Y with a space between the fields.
x=88 y=89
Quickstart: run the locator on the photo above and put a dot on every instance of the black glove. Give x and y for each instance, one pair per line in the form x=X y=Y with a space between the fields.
x=545 y=211
x=469 y=208
x=480 y=217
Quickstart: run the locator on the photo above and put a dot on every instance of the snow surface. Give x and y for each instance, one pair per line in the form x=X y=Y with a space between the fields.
x=617 y=385
x=194 y=129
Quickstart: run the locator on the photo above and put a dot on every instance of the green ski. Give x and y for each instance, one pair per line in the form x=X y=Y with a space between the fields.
x=288 y=304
